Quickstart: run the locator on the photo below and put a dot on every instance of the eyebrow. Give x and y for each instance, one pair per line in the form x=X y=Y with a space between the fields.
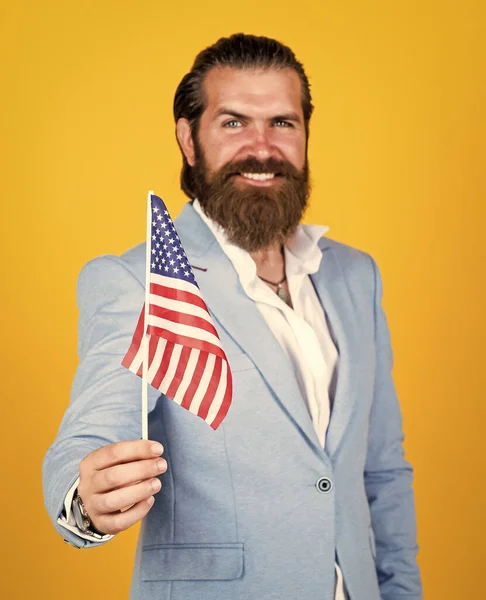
x=291 y=116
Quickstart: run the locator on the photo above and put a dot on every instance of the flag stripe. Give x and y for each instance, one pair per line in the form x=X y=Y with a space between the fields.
x=187 y=340
x=161 y=367
x=176 y=284
x=171 y=368
x=196 y=380
x=183 y=330
x=136 y=341
x=156 y=352
x=187 y=376
x=211 y=390
x=180 y=295
x=183 y=305
x=179 y=372
x=182 y=319
x=203 y=384
x=218 y=398
x=223 y=410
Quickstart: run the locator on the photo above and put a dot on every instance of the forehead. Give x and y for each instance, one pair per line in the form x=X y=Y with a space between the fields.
x=271 y=90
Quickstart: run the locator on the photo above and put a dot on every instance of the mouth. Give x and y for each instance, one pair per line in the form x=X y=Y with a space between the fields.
x=260 y=179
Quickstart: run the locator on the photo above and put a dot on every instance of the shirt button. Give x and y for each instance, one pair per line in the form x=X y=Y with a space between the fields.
x=324 y=485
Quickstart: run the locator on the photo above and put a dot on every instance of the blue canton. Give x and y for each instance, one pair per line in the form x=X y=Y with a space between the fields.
x=167 y=256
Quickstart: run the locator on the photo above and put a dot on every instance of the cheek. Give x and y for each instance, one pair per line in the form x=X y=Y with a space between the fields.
x=223 y=149
x=294 y=152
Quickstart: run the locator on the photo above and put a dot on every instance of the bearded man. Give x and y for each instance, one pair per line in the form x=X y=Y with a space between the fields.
x=303 y=492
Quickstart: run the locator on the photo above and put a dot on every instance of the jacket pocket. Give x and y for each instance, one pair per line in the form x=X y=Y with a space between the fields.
x=188 y=562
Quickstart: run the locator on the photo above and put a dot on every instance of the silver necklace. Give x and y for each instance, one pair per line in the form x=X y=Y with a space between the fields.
x=280 y=291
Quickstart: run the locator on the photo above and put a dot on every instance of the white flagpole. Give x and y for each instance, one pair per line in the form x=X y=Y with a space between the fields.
x=145 y=321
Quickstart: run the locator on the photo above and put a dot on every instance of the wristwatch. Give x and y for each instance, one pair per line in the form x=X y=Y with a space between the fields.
x=81 y=517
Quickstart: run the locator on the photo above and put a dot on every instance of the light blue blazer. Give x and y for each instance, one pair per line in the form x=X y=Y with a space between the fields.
x=241 y=514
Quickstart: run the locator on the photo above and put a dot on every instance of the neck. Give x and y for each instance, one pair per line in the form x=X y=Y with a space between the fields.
x=270 y=262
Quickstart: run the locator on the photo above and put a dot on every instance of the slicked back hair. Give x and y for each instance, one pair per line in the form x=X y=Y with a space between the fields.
x=240 y=51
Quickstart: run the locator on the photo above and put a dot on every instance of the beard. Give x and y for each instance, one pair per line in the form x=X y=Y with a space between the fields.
x=252 y=217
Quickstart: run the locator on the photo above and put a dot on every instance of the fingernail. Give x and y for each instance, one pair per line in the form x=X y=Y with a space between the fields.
x=157 y=448
x=156 y=485
x=150 y=500
x=161 y=464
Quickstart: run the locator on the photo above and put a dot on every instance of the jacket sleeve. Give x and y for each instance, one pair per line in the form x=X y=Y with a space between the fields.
x=388 y=476
x=105 y=404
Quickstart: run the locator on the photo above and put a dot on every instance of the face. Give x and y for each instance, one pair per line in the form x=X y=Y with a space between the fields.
x=249 y=158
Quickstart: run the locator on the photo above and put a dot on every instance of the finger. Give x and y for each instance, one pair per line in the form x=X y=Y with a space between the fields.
x=123 y=452
x=114 y=501
x=128 y=507
x=113 y=524
x=125 y=474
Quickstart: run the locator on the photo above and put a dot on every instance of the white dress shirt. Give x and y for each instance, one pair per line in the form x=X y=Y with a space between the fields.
x=302 y=332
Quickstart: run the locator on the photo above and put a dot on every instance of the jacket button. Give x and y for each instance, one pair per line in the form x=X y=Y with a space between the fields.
x=324 y=485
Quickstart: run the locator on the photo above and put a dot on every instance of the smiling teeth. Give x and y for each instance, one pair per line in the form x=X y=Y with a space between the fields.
x=259 y=176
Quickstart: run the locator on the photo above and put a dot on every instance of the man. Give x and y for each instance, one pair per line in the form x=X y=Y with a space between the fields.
x=303 y=492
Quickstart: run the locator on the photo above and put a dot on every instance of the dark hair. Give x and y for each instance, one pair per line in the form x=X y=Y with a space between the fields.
x=240 y=51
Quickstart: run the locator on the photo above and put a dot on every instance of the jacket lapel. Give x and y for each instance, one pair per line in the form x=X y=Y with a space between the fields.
x=331 y=287
x=240 y=318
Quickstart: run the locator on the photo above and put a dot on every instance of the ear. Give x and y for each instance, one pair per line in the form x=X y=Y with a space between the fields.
x=184 y=137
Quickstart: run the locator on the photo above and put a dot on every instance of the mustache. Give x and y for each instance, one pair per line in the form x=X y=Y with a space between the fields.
x=251 y=164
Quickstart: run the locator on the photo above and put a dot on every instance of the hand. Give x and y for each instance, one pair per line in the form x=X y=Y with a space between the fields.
x=117 y=483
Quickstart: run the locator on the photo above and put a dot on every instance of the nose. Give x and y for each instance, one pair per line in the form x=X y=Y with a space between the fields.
x=261 y=144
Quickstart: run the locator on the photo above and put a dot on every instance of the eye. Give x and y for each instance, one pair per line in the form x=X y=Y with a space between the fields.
x=233 y=124
x=282 y=123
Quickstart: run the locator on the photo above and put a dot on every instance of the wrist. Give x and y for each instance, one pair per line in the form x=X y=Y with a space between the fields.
x=81 y=517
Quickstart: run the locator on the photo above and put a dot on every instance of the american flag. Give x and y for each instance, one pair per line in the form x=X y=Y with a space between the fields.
x=186 y=361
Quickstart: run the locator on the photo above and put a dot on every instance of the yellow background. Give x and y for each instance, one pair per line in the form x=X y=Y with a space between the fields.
x=397 y=154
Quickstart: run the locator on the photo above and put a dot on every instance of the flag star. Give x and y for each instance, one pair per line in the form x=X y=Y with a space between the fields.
x=176 y=270
x=159 y=217
x=166 y=212
x=156 y=209
x=160 y=252
x=186 y=273
x=179 y=256
x=164 y=225
x=183 y=264
x=171 y=240
x=154 y=238
x=172 y=262
x=169 y=254
x=157 y=231
x=153 y=250
x=154 y=223
x=153 y=265
x=157 y=245
x=162 y=260
x=166 y=233
x=165 y=246
x=166 y=268
x=156 y=259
